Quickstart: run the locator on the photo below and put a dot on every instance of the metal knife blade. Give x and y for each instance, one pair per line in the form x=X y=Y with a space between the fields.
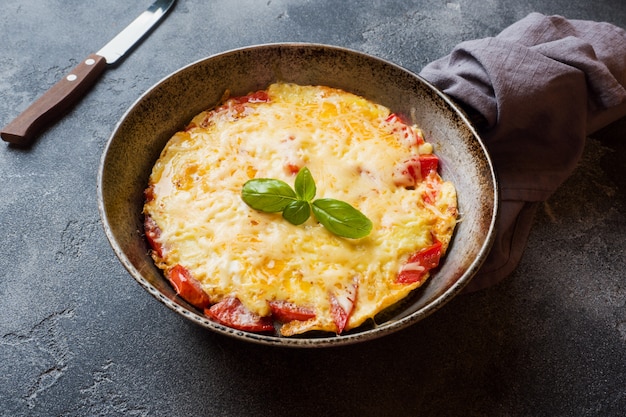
x=67 y=91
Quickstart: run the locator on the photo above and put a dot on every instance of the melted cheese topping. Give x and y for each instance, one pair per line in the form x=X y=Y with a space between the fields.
x=353 y=148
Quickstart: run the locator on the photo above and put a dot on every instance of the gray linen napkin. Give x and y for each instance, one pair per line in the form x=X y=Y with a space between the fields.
x=538 y=89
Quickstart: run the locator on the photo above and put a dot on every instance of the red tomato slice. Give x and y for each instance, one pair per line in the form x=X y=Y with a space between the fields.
x=433 y=186
x=428 y=163
x=285 y=311
x=256 y=97
x=152 y=235
x=420 y=263
x=238 y=103
x=393 y=118
x=342 y=304
x=414 y=170
x=188 y=287
x=232 y=313
x=148 y=194
x=408 y=134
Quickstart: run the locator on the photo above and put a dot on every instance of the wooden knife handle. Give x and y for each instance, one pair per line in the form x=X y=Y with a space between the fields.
x=51 y=106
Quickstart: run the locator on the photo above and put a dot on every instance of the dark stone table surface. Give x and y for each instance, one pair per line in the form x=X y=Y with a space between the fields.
x=78 y=336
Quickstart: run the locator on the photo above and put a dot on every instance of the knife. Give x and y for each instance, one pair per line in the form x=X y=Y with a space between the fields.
x=61 y=96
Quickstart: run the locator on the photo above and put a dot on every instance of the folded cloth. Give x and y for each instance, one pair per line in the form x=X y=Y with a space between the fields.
x=538 y=88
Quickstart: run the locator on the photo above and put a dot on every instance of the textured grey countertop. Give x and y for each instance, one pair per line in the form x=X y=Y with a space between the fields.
x=78 y=337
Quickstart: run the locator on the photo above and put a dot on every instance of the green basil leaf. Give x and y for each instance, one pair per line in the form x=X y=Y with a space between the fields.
x=268 y=195
x=272 y=196
x=341 y=218
x=305 y=185
x=297 y=212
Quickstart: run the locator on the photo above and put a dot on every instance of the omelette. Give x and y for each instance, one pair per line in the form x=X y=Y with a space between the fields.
x=251 y=269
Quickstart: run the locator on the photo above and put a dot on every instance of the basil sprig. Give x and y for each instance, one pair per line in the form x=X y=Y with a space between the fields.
x=273 y=196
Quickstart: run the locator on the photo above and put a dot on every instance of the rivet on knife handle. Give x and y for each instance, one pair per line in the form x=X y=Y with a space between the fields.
x=54 y=102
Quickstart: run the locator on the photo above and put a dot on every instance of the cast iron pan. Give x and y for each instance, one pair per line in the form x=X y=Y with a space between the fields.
x=167 y=107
